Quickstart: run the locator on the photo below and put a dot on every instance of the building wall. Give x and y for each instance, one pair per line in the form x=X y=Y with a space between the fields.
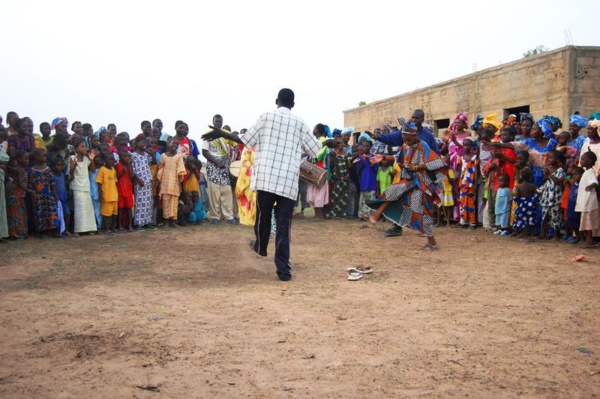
x=557 y=82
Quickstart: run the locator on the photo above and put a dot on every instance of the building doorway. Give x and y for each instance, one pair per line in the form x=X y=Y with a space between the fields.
x=440 y=126
x=515 y=111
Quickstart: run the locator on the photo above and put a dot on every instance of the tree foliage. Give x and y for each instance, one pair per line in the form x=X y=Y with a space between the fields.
x=538 y=50
x=360 y=104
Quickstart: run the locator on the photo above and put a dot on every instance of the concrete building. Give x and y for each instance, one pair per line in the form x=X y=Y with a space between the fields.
x=557 y=82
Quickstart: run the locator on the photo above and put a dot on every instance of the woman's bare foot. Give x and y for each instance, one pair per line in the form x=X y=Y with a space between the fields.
x=373 y=219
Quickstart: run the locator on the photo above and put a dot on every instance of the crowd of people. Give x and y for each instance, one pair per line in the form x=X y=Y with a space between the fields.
x=518 y=177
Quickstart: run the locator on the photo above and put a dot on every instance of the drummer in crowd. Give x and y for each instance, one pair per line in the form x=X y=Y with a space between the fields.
x=281 y=139
x=220 y=194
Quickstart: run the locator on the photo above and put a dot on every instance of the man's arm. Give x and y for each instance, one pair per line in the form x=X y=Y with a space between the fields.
x=212 y=159
x=394 y=139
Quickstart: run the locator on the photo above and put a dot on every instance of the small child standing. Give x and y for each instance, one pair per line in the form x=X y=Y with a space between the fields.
x=469 y=164
x=125 y=189
x=573 y=217
x=587 y=201
x=184 y=208
x=503 y=205
x=107 y=180
x=551 y=195
x=45 y=216
x=447 y=207
x=367 y=173
x=58 y=177
x=95 y=190
x=526 y=199
x=385 y=174
x=197 y=215
x=170 y=174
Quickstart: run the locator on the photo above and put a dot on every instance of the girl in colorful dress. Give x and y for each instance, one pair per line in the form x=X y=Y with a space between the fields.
x=45 y=216
x=458 y=133
x=170 y=174
x=551 y=195
x=526 y=199
x=340 y=175
x=80 y=166
x=140 y=163
x=469 y=163
x=16 y=209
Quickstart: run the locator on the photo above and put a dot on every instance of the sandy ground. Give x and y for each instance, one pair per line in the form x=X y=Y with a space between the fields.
x=192 y=312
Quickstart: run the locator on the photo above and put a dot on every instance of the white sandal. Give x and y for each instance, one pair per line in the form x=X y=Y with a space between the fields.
x=355 y=276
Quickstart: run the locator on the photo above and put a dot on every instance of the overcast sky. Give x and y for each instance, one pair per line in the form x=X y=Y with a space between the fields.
x=126 y=61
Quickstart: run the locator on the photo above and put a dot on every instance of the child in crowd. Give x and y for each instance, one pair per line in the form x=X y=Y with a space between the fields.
x=140 y=165
x=469 y=163
x=80 y=165
x=574 y=217
x=587 y=200
x=155 y=184
x=551 y=195
x=16 y=209
x=526 y=199
x=45 y=196
x=58 y=177
x=125 y=190
x=109 y=194
x=95 y=190
x=570 y=154
x=44 y=139
x=170 y=174
x=197 y=215
x=184 y=208
x=385 y=174
x=448 y=201
x=503 y=205
x=367 y=173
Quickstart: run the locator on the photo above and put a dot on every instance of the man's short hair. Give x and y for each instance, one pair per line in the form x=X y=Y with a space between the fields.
x=285 y=97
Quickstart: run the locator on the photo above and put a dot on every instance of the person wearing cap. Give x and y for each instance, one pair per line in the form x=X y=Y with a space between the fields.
x=395 y=139
x=410 y=202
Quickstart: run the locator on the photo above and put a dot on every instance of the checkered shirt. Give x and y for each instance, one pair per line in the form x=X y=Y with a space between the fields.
x=280 y=138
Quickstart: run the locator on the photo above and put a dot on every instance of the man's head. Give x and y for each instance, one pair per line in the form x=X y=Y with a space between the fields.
x=285 y=98
x=418 y=117
x=157 y=123
x=218 y=121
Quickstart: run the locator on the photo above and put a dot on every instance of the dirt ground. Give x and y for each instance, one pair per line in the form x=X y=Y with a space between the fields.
x=193 y=313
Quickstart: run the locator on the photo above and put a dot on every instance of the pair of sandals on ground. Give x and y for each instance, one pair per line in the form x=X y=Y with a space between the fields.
x=358 y=272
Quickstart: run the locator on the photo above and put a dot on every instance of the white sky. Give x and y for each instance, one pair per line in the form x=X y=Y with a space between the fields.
x=126 y=61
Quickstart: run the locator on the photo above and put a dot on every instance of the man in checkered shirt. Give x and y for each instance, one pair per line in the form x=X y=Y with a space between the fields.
x=281 y=138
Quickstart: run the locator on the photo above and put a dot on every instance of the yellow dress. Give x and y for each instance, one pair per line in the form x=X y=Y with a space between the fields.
x=246 y=198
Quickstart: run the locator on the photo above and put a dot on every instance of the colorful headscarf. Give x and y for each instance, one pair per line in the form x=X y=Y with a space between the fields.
x=595 y=115
x=409 y=128
x=512 y=124
x=348 y=131
x=336 y=132
x=478 y=123
x=364 y=136
x=549 y=124
x=491 y=120
x=461 y=116
x=58 y=120
x=328 y=131
x=578 y=120
x=100 y=131
x=524 y=116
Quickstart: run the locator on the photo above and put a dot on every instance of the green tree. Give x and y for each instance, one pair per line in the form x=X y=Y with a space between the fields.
x=360 y=104
x=538 y=50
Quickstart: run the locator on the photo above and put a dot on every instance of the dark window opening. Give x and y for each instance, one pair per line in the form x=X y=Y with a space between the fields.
x=515 y=111
x=439 y=125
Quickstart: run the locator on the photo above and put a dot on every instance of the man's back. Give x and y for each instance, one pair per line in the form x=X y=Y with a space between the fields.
x=280 y=138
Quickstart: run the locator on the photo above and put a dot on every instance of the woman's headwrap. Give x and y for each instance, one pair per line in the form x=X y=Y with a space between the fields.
x=491 y=120
x=58 y=120
x=100 y=131
x=409 y=128
x=578 y=120
x=348 y=131
x=524 y=116
x=328 y=131
x=595 y=115
x=478 y=123
x=549 y=124
x=336 y=132
x=461 y=116
x=594 y=123
x=364 y=136
x=512 y=124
